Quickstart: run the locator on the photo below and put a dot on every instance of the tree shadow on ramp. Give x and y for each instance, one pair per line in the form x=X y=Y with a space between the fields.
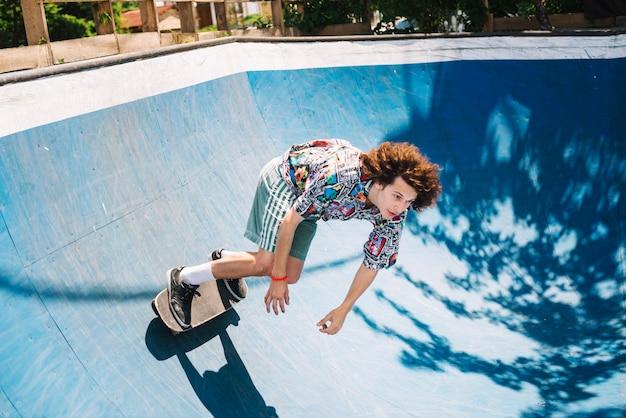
x=531 y=226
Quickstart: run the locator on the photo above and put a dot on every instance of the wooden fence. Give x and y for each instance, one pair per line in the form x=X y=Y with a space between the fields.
x=41 y=52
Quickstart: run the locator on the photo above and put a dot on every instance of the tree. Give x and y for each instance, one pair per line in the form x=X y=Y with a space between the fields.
x=65 y=21
x=319 y=13
x=12 y=31
x=504 y=8
x=542 y=15
x=430 y=15
x=69 y=20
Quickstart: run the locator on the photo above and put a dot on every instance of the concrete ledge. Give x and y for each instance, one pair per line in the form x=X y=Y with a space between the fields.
x=20 y=73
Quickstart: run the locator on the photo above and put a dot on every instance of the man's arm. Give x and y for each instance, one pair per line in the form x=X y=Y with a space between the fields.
x=278 y=292
x=332 y=323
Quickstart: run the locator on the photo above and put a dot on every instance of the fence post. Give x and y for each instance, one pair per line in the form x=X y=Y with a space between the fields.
x=103 y=16
x=220 y=16
x=187 y=13
x=488 y=26
x=35 y=22
x=277 y=15
x=149 y=18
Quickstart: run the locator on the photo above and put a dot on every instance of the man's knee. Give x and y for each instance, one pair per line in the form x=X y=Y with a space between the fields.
x=264 y=268
x=264 y=263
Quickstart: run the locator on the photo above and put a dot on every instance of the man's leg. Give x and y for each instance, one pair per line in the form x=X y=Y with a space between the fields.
x=294 y=269
x=240 y=264
x=183 y=281
x=243 y=264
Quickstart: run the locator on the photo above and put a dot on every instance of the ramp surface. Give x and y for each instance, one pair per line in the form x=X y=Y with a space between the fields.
x=507 y=299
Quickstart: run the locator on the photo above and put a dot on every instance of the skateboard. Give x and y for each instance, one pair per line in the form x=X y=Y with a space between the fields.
x=214 y=300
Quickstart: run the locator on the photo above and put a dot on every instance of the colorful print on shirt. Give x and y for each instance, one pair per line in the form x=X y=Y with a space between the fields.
x=325 y=175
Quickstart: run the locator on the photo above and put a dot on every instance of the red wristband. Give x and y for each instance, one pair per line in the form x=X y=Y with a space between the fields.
x=278 y=279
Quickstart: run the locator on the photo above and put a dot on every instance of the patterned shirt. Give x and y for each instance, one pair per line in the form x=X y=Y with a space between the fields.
x=325 y=175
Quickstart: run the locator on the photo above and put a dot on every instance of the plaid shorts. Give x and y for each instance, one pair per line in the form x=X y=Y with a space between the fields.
x=272 y=201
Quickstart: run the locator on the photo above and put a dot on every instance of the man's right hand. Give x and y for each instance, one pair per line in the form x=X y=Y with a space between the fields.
x=277 y=295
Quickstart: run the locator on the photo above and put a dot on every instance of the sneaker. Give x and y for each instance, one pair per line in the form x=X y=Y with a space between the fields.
x=236 y=287
x=181 y=294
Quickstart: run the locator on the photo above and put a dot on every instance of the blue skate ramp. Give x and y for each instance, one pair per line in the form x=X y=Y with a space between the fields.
x=507 y=299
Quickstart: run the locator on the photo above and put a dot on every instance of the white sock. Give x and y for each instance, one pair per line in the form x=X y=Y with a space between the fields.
x=197 y=274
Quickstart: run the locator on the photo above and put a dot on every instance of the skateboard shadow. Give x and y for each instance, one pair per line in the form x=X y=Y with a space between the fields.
x=163 y=345
x=228 y=392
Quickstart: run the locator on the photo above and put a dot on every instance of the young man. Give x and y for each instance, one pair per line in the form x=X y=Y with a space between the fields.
x=322 y=179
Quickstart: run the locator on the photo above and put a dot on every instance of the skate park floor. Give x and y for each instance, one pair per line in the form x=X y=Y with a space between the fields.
x=507 y=299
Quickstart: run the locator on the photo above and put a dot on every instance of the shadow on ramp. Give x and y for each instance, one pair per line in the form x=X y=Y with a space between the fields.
x=227 y=392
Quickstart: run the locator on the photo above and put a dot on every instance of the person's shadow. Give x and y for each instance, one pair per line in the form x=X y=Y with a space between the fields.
x=228 y=392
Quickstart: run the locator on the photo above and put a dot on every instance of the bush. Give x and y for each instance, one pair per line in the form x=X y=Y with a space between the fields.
x=12 y=31
x=320 y=13
x=430 y=15
x=65 y=26
x=256 y=20
x=504 y=8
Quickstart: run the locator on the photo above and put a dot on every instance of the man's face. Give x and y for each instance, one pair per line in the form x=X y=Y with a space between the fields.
x=394 y=198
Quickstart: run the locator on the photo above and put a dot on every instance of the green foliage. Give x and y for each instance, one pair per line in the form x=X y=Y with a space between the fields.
x=564 y=6
x=12 y=32
x=118 y=9
x=210 y=28
x=75 y=20
x=62 y=26
x=65 y=21
x=320 y=13
x=104 y=18
x=125 y=6
x=503 y=8
x=424 y=15
x=430 y=15
x=291 y=16
x=256 y=20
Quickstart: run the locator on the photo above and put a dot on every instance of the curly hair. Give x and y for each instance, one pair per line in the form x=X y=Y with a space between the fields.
x=391 y=160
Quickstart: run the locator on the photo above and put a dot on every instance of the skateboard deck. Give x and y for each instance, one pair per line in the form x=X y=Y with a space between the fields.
x=214 y=300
